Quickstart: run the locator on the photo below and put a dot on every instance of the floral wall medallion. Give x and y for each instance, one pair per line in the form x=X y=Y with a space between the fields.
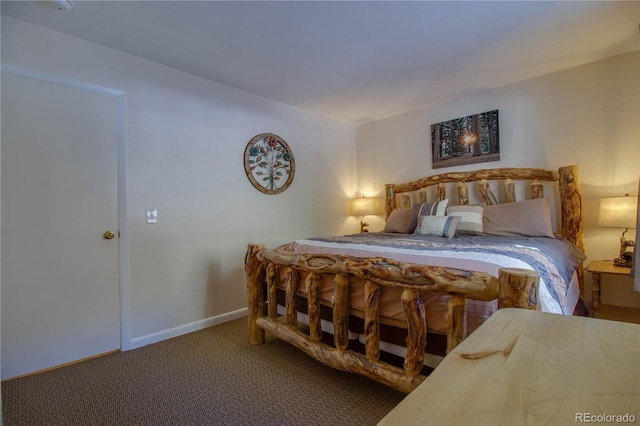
x=269 y=163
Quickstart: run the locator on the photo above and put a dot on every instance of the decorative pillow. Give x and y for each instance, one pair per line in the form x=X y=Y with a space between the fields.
x=470 y=219
x=530 y=218
x=438 y=226
x=426 y=209
x=398 y=221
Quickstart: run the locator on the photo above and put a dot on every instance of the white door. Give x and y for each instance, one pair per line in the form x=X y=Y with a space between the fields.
x=60 y=288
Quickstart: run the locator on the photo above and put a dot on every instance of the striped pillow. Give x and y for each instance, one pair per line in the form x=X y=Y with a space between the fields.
x=470 y=219
x=426 y=209
x=438 y=226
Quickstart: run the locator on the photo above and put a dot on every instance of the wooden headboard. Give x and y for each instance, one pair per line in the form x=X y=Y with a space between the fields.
x=572 y=218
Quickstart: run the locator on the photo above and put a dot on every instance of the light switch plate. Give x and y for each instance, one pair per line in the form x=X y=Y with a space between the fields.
x=152 y=215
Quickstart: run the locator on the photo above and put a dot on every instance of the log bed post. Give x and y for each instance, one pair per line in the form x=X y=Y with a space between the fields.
x=537 y=190
x=463 y=194
x=313 y=306
x=390 y=200
x=417 y=331
x=341 y=312
x=572 y=215
x=441 y=192
x=518 y=288
x=487 y=193
x=454 y=320
x=291 y=287
x=509 y=191
x=372 y=320
x=272 y=287
x=254 y=271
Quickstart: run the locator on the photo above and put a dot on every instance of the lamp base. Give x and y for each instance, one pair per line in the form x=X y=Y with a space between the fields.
x=622 y=261
x=626 y=257
x=363 y=225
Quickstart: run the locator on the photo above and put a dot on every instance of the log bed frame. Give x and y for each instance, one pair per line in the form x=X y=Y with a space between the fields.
x=512 y=288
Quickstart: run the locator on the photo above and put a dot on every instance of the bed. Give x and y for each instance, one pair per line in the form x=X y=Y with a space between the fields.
x=437 y=271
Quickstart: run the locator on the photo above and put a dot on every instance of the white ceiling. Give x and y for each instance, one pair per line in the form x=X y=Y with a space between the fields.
x=354 y=61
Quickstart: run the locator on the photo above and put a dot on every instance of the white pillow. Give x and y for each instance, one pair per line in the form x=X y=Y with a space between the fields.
x=470 y=219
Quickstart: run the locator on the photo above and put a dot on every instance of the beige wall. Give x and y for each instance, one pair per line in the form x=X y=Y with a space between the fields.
x=184 y=156
x=588 y=115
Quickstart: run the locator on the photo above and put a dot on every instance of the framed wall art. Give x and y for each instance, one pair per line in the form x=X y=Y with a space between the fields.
x=466 y=140
x=269 y=163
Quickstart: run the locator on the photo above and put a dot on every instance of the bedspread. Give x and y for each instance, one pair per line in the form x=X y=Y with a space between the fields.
x=554 y=258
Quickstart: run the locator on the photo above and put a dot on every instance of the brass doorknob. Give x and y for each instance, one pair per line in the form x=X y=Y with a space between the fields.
x=108 y=235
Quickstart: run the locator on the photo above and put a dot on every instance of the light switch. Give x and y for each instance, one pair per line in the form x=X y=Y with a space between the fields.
x=152 y=215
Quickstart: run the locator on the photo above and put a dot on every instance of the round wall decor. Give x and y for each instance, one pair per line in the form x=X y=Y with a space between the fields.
x=269 y=163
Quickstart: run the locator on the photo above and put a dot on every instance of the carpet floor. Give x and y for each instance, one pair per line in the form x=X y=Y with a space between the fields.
x=209 y=377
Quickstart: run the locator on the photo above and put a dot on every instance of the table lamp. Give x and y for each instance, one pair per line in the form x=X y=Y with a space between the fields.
x=363 y=207
x=619 y=212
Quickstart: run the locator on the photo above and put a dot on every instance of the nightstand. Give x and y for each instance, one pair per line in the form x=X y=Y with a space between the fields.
x=616 y=313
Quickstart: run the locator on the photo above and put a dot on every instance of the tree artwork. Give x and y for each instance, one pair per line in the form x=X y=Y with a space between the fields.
x=466 y=140
x=269 y=163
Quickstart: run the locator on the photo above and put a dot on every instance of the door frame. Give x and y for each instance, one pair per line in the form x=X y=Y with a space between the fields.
x=123 y=241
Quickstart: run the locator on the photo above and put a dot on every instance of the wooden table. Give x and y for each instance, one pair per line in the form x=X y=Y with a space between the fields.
x=526 y=367
x=597 y=268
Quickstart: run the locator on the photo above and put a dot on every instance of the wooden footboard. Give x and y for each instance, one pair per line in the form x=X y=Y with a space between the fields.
x=513 y=288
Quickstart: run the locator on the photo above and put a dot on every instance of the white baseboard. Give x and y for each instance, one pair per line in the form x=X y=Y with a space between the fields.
x=139 y=342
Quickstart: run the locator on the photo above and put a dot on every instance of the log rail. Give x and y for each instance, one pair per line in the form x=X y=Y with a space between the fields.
x=513 y=288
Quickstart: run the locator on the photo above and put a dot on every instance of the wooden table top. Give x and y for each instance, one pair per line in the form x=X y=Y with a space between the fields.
x=527 y=367
x=607 y=267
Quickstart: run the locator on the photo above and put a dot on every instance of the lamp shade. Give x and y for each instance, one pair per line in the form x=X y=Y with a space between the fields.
x=363 y=206
x=618 y=212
